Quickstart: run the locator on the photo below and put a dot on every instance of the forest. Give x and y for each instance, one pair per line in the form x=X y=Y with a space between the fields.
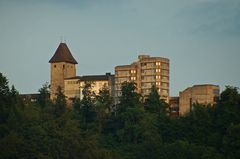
x=96 y=128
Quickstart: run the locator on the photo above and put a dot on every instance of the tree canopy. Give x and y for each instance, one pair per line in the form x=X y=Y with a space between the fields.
x=93 y=128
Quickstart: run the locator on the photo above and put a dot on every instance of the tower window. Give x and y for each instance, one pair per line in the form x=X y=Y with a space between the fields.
x=63 y=66
x=54 y=66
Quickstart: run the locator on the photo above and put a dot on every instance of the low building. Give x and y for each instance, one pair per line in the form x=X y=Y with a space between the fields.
x=201 y=94
x=73 y=86
x=30 y=98
x=174 y=106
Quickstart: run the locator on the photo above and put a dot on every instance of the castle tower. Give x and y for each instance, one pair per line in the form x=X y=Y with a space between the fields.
x=62 y=66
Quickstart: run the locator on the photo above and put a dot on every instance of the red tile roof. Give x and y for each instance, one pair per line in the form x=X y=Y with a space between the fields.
x=63 y=54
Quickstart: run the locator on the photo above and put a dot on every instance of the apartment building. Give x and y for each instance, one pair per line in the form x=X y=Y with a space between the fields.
x=145 y=72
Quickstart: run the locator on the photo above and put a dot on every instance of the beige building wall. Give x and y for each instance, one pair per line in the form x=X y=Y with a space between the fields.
x=145 y=72
x=202 y=94
x=60 y=71
x=74 y=86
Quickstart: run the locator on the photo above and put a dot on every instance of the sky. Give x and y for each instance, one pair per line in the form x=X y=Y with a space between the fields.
x=200 y=37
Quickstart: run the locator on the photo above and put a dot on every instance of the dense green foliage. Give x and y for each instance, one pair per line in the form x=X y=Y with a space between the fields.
x=133 y=129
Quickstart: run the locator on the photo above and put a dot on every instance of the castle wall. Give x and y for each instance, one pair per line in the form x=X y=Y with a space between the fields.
x=60 y=71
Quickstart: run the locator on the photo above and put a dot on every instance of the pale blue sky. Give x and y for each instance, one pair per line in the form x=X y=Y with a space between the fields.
x=200 y=37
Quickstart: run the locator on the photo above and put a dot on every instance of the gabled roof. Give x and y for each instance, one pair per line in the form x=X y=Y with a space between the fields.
x=63 y=54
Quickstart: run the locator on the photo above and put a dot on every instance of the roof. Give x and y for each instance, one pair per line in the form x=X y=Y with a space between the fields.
x=200 y=85
x=92 y=77
x=63 y=54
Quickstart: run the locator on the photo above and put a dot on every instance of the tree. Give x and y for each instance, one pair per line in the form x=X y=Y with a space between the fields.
x=230 y=96
x=227 y=109
x=9 y=100
x=4 y=98
x=60 y=103
x=154 y=104
x=85 y=109
x=129 y=97
x=4 y=90
x=129 y=114
x=44 y=96
x=184 y=150
x=231 y=142
x=104 y=105
x=104 y=101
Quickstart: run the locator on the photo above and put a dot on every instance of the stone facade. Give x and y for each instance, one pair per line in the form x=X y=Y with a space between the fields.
x=202 y=94
x=60 y=71
x=62 y=66
x=147 y=71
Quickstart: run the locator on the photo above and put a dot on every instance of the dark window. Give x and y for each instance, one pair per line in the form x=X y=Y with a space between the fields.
x=215 y=98
x=63 y=66
x=216 y=91
x=54 y=66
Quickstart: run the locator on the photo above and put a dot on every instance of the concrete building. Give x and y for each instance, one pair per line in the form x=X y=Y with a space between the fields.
x=174 y=106
x=201 y=94
x=74 y=85
x=145 y=72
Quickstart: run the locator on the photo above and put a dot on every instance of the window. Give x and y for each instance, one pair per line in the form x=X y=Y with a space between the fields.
x=63 y=66
x=158 y=63
x=157 y=77
x=133 y=78
x=164 y=78
x=158 y=70
x=133 y=71
x=164 y=92
x=55 y=66
x=216 y=98
x=216 y=91
x=164 y=84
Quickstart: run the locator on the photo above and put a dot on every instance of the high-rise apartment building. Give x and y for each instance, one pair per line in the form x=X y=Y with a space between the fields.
x=145 y=72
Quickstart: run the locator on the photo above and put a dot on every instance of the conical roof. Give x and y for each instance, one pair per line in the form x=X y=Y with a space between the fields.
x=63 y=54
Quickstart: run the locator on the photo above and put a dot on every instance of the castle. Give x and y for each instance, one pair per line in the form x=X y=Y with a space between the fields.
x=145 y=72
x=63 y=74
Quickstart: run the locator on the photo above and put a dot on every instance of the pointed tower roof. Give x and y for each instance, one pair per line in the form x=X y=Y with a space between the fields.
x=63 y=54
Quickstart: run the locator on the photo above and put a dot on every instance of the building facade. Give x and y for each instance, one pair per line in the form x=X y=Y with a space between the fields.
x=202 y=94
x=145 y=72
x=74 y=85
